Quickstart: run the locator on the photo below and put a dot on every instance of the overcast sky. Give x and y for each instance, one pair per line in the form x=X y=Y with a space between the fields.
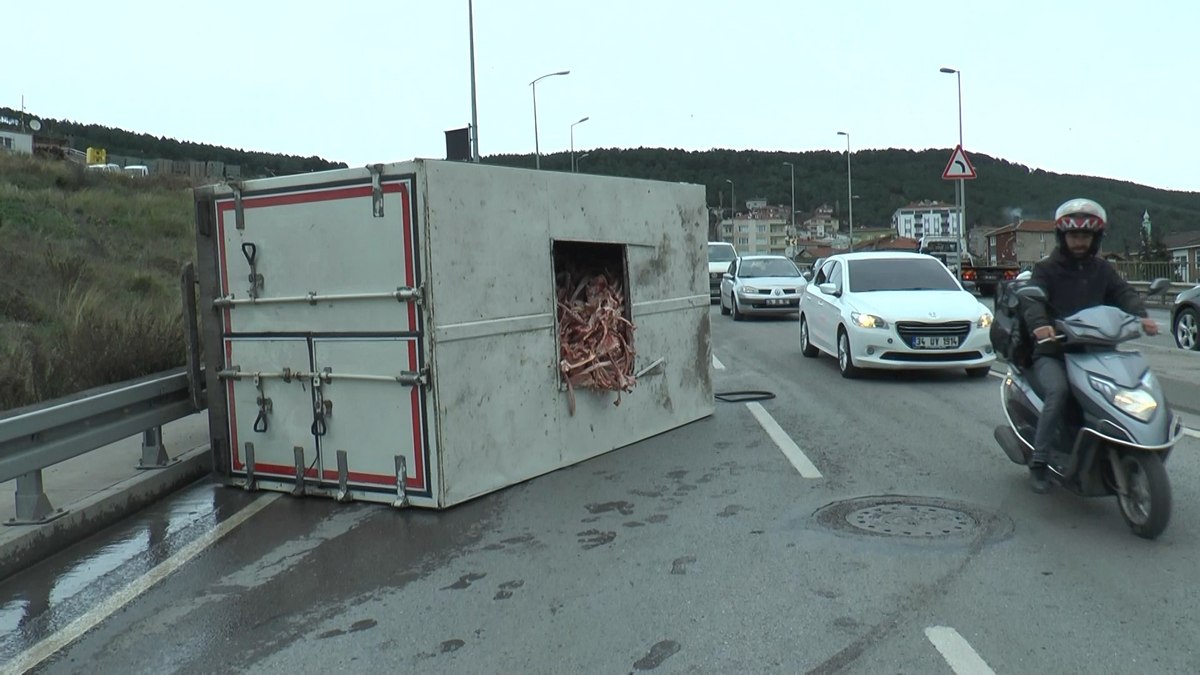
x=1099 y=88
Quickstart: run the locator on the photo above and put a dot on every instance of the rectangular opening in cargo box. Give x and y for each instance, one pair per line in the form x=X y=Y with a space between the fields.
x=593 y=318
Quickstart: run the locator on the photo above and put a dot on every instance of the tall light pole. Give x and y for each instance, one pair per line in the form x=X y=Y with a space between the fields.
x=573 y=142
x=536 y=148
x=474 y=106
x=793 y=218
x=581 y=158
x=962 y=183
x=849 y=189
x=732 y=207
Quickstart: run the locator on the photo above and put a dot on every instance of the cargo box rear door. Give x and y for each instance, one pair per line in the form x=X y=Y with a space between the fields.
x=373 y=393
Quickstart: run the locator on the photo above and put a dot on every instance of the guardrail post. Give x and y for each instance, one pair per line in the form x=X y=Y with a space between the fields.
x=154 y=454
x=33 y=507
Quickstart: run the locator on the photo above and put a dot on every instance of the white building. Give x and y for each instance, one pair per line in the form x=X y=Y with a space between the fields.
x=762 y=229
x=16 y=141
x=822 y=224
x=926 y=219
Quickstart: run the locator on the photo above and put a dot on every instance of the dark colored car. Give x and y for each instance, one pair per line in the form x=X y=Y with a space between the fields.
x=1184 y=317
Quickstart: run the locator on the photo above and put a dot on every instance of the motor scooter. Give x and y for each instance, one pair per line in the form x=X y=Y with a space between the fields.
x=1120 y=428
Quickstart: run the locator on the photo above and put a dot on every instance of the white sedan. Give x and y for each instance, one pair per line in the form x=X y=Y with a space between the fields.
x=893 y=310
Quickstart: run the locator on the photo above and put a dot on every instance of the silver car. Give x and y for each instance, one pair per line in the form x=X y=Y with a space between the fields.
x=761 y=284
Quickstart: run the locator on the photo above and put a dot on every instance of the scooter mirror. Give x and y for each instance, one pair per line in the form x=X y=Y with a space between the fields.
x=1159 y=285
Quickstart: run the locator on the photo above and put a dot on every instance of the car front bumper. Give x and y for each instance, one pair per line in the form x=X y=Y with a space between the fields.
x=883 y=348
x=757 y=303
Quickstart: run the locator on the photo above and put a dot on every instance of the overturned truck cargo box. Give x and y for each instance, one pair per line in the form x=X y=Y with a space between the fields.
x=422 y=333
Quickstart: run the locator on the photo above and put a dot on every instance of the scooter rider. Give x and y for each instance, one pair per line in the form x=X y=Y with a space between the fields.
x=1074 y=278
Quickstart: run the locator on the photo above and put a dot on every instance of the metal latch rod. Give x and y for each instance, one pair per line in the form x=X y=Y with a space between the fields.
x=405 y=377
x=402 y=294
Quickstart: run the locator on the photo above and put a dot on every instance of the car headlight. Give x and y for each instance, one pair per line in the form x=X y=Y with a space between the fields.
x=749 y=289
x=1137 y=403
x=984 y=321
x=867 y=320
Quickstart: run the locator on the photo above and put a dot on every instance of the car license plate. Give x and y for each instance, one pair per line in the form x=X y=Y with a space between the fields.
x=776 y=301
x=935 y=342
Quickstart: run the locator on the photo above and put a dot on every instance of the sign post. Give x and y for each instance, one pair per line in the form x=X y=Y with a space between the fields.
x=960 y=168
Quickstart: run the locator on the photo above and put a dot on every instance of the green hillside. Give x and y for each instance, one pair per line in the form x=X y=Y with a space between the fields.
x=90 y=289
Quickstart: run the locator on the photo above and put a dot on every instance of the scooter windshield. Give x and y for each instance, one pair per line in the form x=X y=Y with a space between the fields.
x=1104 y=325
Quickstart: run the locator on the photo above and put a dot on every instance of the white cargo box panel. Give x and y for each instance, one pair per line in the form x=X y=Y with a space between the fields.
x=390 y=333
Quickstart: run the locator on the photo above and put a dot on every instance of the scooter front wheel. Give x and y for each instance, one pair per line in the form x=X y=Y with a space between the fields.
x=1146 y=504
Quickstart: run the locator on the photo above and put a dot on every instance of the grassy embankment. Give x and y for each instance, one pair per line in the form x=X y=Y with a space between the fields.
x=89 y=277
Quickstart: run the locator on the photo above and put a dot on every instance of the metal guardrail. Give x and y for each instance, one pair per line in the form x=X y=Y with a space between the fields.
x=1167 y=298
x=45 y=434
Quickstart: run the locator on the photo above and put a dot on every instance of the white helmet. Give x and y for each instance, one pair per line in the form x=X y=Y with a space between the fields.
x=1080 y=214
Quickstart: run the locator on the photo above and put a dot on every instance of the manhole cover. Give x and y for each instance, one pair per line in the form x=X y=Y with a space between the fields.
x=919 y=518
x=911 y=520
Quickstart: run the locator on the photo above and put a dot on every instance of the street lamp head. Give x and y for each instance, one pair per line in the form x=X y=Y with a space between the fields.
x=729 y=181
x=788 y=164
x=948 y=70
x=842 y=133
x=583 y=120
x=561 y=72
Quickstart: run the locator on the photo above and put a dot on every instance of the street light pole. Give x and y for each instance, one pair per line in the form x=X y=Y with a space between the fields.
x=573 y=142
x=536 y=148
x=474 y=105
x=792 y=167
x=849 y=189
x=962 y=183
x=732 y=211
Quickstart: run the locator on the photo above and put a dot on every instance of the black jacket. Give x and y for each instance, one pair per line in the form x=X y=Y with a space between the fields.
x=1073 y=284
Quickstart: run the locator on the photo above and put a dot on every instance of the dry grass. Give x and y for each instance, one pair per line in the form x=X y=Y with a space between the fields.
x=89 y=283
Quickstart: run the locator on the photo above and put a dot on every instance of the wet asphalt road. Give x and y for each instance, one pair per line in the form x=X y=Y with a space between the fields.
x=700 y=550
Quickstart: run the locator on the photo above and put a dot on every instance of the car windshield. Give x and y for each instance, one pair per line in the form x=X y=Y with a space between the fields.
x=720 y=253
x=773 y=267
x=896 y=274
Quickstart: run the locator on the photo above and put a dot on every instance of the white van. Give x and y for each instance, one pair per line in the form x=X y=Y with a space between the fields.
x=720 y=254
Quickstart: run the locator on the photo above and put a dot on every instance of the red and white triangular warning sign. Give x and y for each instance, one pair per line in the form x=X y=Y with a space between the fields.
x=958 y=166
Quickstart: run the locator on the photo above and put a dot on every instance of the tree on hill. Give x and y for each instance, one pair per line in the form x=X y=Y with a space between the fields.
x=121 y=142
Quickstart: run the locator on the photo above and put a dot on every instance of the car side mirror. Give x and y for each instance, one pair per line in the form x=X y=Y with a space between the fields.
x=1159 y=285
x=968 y=285
x=828 y=288
x=808 y=275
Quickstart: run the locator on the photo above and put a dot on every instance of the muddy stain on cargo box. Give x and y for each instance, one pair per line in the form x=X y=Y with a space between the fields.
x=658 y=264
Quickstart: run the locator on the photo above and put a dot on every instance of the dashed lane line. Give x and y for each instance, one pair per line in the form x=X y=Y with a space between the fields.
x=959 y=654
x=792 y=451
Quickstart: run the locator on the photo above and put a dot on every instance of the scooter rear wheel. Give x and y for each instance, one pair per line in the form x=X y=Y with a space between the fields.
x=1147 y=506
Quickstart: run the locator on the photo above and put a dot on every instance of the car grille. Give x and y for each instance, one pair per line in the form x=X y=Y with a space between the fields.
x=768 y=291
x=930 y=358
x=911 y=329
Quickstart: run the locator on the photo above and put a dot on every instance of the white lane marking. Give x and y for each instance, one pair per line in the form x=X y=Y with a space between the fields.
x=717 y=363
x=996 y=374
x=52 y=644
x=792 y=451
x=963 y=659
